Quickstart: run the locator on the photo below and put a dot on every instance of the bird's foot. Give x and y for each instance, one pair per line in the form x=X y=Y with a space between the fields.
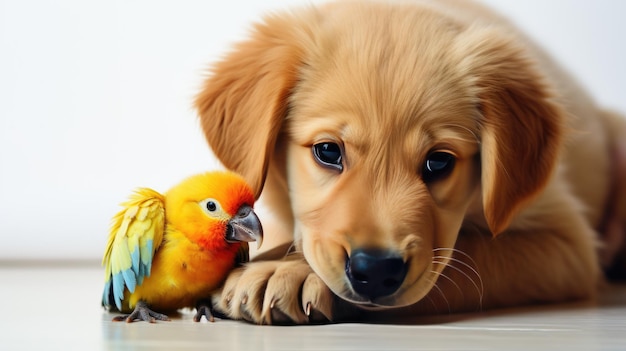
x=142 y=313
x=203 y=308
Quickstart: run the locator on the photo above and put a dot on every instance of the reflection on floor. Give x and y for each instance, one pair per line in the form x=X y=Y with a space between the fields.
x=58 y=307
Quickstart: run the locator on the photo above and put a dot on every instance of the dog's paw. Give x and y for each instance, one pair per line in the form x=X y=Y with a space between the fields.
x=275 y=292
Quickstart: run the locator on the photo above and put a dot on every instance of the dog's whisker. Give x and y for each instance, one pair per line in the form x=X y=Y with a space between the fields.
x=480 y=279
x=453 y=250
x=443 y=296
x=453 y=283
x=469 y=266
x=464 y=268
x=432 y=303
x=478 y=290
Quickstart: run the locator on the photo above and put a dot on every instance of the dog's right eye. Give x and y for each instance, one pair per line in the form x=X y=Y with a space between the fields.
x=437 y=165
x=328 y=155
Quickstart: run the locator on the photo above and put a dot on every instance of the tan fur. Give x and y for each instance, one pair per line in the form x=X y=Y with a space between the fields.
x=515 y=221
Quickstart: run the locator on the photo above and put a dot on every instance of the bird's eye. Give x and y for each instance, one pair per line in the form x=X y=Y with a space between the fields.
x=328 y=155
x=211 y=206
x=437 y=165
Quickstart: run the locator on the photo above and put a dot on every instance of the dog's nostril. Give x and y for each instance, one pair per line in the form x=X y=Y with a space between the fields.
x=375 y=273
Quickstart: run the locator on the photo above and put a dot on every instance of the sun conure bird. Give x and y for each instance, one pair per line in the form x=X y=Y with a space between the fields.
x=171 y=251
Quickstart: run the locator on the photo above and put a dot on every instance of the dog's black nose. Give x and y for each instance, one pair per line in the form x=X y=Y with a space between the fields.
x=375 y=273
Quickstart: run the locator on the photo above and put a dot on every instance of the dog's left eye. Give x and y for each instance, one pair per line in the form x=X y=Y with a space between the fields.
x=437 y=165
x=328 y=155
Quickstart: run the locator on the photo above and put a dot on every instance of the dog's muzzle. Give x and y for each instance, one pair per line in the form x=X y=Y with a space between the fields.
x=375 y=273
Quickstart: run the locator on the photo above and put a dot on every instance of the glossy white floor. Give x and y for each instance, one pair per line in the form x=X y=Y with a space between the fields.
x=57 y=307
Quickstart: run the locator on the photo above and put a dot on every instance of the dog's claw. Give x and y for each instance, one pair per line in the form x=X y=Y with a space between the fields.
x=319 y=299
x=275 y=292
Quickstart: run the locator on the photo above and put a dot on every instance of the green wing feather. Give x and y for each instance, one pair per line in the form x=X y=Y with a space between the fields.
x=136 y=234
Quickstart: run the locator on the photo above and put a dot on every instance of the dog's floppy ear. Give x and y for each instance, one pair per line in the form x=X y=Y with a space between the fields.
x=521 y=124
x=244 y=101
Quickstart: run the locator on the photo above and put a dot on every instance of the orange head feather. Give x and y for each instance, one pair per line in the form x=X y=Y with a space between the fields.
x=201 y=206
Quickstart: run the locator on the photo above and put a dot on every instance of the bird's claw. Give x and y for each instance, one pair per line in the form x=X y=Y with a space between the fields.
x=142 y=313
x=204 y=309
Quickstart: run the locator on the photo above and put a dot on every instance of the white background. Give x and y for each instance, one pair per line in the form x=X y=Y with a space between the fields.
x=95 y=100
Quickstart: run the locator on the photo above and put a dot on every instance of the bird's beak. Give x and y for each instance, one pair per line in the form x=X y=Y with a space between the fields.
x=245 y=226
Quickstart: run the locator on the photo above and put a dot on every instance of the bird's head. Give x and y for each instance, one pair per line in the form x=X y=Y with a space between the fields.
x=214 y=209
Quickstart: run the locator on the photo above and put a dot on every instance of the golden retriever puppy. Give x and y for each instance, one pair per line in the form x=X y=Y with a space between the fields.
x=422 y=157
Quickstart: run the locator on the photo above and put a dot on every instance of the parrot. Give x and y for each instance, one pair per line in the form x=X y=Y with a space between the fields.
x=169 y=251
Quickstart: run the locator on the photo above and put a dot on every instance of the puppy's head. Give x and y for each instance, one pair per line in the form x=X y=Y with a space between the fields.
x=385 y=124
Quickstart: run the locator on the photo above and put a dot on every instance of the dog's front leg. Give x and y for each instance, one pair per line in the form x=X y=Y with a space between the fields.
x=279 y=291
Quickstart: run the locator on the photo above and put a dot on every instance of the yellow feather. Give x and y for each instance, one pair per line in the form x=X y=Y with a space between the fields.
x=135 y=235
x=195 y=258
